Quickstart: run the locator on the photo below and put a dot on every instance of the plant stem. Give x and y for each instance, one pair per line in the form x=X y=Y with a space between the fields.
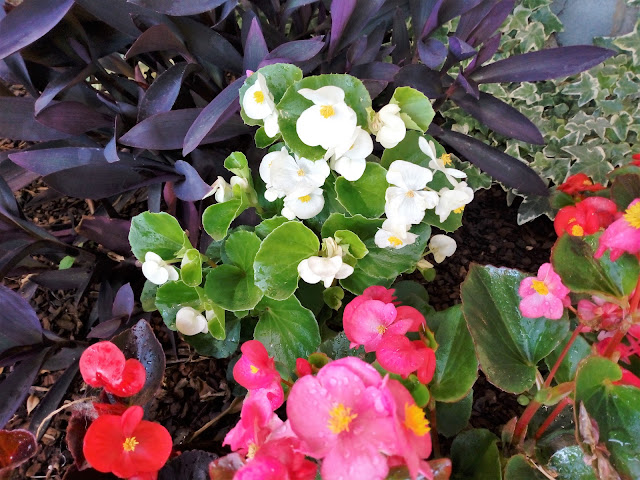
x=635 y=300
x=523 y=422
x=563 y=354
x=615 y=341
x=435 y=442
x=552 y=416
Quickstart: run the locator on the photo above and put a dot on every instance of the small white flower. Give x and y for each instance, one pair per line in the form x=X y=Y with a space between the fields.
x=316 y=269
x=221 y=191
x=440 y=164
x=453 y=199
x=298 y=176
x=329 y=122
x=394 y=235
x=156 y=270
x=258 y=104
x=388 y=127
x=349 y=160
x=442 y=247
x=191 y=322
x=283 y=158
x=407 y=201
x=303 y=206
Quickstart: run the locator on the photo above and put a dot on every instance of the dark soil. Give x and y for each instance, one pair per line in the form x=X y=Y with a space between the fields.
x=195 y=389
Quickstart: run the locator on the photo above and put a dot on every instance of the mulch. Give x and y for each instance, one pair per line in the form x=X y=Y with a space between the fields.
x=195 y=389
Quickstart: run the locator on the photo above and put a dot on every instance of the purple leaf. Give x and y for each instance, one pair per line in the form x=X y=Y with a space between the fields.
x=191 y=465
x=491 y=22
x=502 y=167
x=400 y=39
x=460 y=49
x=179 y=7
x=16 y=447
x=28 y=22
x=18 y=73
x=220 y=109
x=421 y=78
x=74 y=118
x=341 y=11
x=51 y=160
x=499 y=116
x=469 y=86
x=105 y=329
x=191 y=188
x=292 y=5
x=60 y=82
x=296 y=51
x=424 y=15
x=487 y=51
x=123 y=303
x=19 y=324
x=471 y=18
x=111 y=148
x=140 y=342
x=432 y=52
x=116 y=13
x=70 y=278
x=366 y=11
x=255 y=48
x=15 y=176
x=112 y=233
x=17 y=121
x=375 y=76
x=157 y=38
x=542 y=65
x=162 y=93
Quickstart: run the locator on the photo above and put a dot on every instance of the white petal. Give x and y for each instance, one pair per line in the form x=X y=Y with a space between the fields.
x=428 y=148
x=152 y=257
x=172 y=272
x=344 y=272
x=442 y=247
x=314 y=129
x=408 y=175
x=314 y=172
x=257 y=103
x=390 y=136
x=306 y=273
x=189 y=321
x=404 y=209
x=155 y=273
x=271 y=127
x=328 y=95
x=350 y=168
x=362 y=146
x=430 y=199
x=305 y=206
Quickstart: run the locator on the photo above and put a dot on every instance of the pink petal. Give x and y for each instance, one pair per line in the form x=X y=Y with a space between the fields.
x=101 y=363
x=526 y=287
x=377 y=292
x=368 y=322
x=346 y=462
x=398 y=355
x=410 y=313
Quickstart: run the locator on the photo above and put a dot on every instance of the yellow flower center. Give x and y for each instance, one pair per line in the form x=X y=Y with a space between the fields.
x=253 y=449
x=577 y=231
x=381 y=329
x=414 y=420
x=459 y=210
x=410 y=194
x=327 y=111
x=587 y=182
x=446 y=158
x=305 y=199
x=632 y=215
x=129 y=444
x=395 y=241
x=340 y=417
x=301 y=173
x=540 y=287
x=254 y=369
x=258 y=96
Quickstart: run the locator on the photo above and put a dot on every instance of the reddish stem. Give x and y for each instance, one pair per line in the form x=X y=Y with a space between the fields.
x=435 y=442
x=552 y=416
x=615 y=341
x=523 y=422
x=563 y=354
x=635 y=300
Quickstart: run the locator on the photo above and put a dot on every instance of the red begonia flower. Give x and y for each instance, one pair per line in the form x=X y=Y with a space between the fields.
x=636 y=160
x=103 y=365
x=579 y=183
x=303 y=367
x=126 y=445
x=586 y=217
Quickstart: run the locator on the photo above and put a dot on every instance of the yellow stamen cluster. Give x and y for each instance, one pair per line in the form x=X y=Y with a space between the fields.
x=446 y=158
x=410 y=194
x=300 y=172
x=381 y=329
x=540 y=287
x=254 y=369
x=305 y=199
x=253 y=449
x=415 y=421
x=577 y=231
x=395 y=241
x=459 y=210
x=632 y=215
x=258 y=96
x=129 y=444
x=327 y=111
x=340 y=417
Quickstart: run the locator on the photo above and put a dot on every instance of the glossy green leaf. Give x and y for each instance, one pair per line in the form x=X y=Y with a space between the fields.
x=409 y=151
x=569 y=464
x=276 y=264
x=625 y=189
x=156 y=232
x=567 y=370
x=364 y=228
x=415 y=108
x=519 y=469
x=414 y=295
x=287 y=330
x=208 y=346
x=66 y=262
x=616 y=409
x=263 y=140
x=350 y=242
x=172 y=296
x=217 y=218
x=191 y=268
x=508 y=345
x=267 y=226
x=338 y=347
x=475 y=456
x=451 y=224
x=365 y=196
x=148 y=296
x=238 y=165
x=333 y=297
x=293 y=104
x=358 y=281
x=452 y=418
x=216 y=322
x=240 y=249
x=456 y=364
x=572 y=258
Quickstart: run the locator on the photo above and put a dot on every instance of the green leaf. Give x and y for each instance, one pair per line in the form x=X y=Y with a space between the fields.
x=616 y=409
x=365 y=196
x=414 y=295
x=216 y=323
x=451 y=224
x=475 y=456
x=338 y=347
x=364 y=228
x=191 y=268
x=263 y=140
x=572 y=259
x=265 y=227
x=156 y=232
x=456 y=364
x=208 y=346
x=415 y=109
x=358 y=281
x=238 y=165
x=240 y=249
x=351 y=242
x=625 y=189
x=519 y=469
x=333 y=297
x=287 y=330
x=567 y=370
x=409 y=151
x=508 y=345
x=569 y=464
x=276 y=264
x=293 y=104
x=172 y=296
x=452 y=418
x=217 y=218
x=148 y=296
x=66 y=262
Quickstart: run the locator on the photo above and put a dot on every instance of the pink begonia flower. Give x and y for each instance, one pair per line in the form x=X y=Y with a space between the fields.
x=257 y=422
x=543 y=296
x=623 y=235
x=605 y=314
x=625 y=351
x=412 y=431
x=397 y=354
x=351 y=421
x=417 y=319
x=256 y=371
x=377 y=292
x=278 y=460
x=371 y=321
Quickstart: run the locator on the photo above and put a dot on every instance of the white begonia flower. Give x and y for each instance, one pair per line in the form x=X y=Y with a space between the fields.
x=329 y=122
x=223 y=191
x=442 y=247
x=350 y=160
x=298 y=176
x=453 y=199
x=191 y=322
x=325 y=269
x=283 y=158
x=388 y=127
x=394 y=235
x=440 y=164
x=303 y=206
x=258 y=104
x=156 y=270
x=407 y=200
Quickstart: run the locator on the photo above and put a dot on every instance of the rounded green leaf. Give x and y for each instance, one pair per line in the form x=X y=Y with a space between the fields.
x=156 y=232
x=519 y=469
x=232 y=288
x=267 y=226
x=191 y=268
x=567 y=371
x=475 y=456
x=287 y=330
x=237 y=164
x=414 y=295
x=240 y=249
x=172 y=296
x=148 y=296
x=216 y=323
x=569 y=464
x=276 y=264
x=293 y=104
x=415 y=108
x=364 y=228
x=452 y=418
x=350 y=242
x=508 y=345
x=333 y=297
x=409 y=151
x=456 y=364
x=208 y=346
x=365 y=196
x=217 y=218
x=358 y=281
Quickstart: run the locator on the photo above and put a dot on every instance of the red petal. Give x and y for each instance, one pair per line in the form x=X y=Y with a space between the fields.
x=154 y=447
x=130 y=420
x=102 y=362
x=133 y=379
x=103 y=443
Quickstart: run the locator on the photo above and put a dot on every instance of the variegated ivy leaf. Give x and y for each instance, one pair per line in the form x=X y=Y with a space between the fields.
x=620 y=125
x=533 y=207
x=630 y=43
x=592 y=162
x=549 y=21
x=625 y=86
x=618 y=153
x=528 y=92
x=599 y=125
x=533 y=37
x=586 y=89
x=554 y=168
